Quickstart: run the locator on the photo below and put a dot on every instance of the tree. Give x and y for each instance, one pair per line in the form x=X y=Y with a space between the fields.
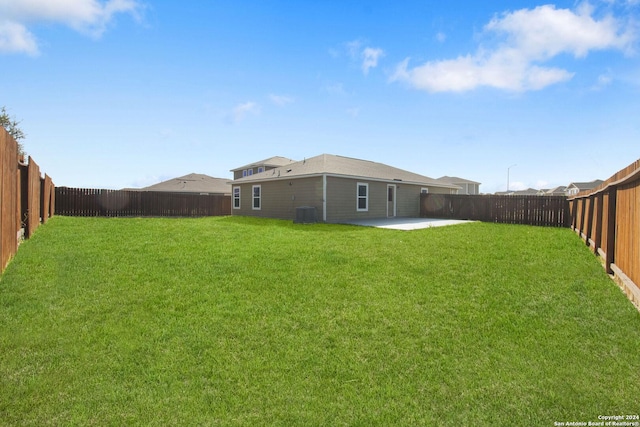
x=13 y=127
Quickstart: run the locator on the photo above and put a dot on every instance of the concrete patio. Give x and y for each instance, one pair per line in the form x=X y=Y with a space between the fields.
x=406 y=223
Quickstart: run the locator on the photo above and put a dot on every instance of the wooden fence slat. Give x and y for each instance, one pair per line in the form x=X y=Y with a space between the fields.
x=9 y=196
x=533 y=210
x=33 y=196
x=113 y=203
x=608 y=217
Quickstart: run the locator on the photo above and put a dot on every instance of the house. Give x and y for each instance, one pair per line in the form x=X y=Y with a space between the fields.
x=261 y=166
x=527 y=192
x=193 y=183
x=576 y=187
x=467 y=187
x=338 y=188
x=557 y=191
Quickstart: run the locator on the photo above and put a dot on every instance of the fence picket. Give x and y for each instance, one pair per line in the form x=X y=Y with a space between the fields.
x=532 y=210
x=115 y=203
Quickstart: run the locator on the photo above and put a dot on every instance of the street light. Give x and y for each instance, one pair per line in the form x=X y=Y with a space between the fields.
x=508 y=175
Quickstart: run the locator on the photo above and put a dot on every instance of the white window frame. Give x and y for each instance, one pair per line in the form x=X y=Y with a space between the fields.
x=234 y=198
x=244 y=173
x=250 y=172
x=260 y=169
x=254 y=198
x=424 y=190
x=365 y=197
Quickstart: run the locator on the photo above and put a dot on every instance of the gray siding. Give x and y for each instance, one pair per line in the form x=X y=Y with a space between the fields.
x=281 y=198
x=342 y=199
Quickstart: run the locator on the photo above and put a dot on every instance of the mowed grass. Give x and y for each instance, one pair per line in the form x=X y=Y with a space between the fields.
x=240 y=321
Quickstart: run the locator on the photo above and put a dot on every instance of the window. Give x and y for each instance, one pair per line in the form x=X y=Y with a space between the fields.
x=256 y=197
x=260 y=169
x=244 y=172
x=363 y=197
x=236 y=197
x=424 y=190
x=250 y=172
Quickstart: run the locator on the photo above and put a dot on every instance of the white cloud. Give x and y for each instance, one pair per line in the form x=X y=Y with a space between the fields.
x=90 y=17
x=281 y=100
x=441 y=37
x=370 y=58
x=517 y=186
x=603 y=81
x=240 y=112
x=15 y=38
x=542 y=184
x=530 y=37
x=368 y=55
x=353 y=48
x=335 y=89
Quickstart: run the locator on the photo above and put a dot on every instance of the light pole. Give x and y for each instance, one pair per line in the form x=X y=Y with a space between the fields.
x=508 y=175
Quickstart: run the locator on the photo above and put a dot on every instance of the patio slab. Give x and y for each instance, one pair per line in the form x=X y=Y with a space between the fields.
x=406 y=223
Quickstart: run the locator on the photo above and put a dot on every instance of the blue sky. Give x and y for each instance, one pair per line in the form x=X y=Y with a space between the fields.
x=127 y=93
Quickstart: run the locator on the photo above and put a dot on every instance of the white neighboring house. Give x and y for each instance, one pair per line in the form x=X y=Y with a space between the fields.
x=576 y=187
x=466 y=186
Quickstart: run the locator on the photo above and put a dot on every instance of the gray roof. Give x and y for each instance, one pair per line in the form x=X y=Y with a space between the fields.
x=346 y=167
x=456 y=180
x=527 y=192
x=193 y=183
x=560 y=190
x=271 y=162
x=586 y=185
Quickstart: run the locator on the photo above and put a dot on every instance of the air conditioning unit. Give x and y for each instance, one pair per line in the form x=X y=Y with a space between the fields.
x=305 y=215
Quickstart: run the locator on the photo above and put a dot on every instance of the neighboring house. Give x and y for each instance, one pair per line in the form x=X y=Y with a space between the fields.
x=527 y=192
x=576 y=187
x=193 y=183
x=261 y=166
x=339 y=188
x=466 y=186
x=558 y=191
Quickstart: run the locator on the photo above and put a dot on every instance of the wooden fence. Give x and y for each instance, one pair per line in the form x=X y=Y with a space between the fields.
x=608 y=220
x=116 y=203
x=551 y=211
x=26 y=199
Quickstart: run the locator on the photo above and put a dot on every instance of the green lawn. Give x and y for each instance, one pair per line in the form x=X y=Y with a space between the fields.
x=239 y=321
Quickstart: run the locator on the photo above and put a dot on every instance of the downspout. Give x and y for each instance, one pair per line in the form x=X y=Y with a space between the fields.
x=324 y=198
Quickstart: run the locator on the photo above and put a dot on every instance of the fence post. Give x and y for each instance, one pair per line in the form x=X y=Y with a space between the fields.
x=33 y=197
x=599 y=200
x=589 y=228
x=611 y=229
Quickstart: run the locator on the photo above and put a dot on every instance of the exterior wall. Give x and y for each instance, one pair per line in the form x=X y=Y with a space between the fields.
x=279 y=199
x=342 y=199
x=408 y=200
x=468 y=188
